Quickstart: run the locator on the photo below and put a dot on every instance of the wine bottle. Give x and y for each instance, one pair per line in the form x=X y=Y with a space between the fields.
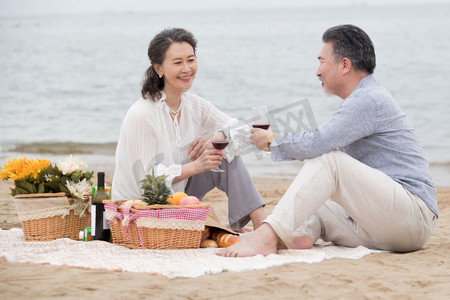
x=99 y=225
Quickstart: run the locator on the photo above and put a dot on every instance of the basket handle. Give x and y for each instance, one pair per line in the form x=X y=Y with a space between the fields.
x=133 y=217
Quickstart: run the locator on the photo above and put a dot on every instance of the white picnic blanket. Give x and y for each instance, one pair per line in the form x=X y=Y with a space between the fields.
x=170 y=263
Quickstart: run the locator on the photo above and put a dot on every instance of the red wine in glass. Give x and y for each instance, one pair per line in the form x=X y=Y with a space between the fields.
x=261 y=126
x=220 y=145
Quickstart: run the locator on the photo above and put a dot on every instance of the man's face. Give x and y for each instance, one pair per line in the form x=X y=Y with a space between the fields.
x=327 y=71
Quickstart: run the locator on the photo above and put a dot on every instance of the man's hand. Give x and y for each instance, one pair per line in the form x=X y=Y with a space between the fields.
x=260 y=137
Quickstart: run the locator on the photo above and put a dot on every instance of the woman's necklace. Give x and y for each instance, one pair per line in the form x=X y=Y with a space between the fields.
x=174 y=114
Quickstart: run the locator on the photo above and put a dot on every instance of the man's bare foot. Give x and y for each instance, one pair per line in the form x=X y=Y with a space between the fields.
x=258 y=216
x=262 y=241
x=301 y=242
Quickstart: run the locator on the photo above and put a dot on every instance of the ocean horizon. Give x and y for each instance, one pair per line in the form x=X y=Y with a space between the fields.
x=68 y=80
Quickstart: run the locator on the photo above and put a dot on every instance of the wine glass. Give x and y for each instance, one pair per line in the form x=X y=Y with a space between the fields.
x=260 y=120
x=220 y=142
x=260 y=117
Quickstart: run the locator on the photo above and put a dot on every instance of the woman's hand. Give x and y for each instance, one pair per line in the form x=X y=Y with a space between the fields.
x=208 y=160
x=200 y=144
x=260 y=137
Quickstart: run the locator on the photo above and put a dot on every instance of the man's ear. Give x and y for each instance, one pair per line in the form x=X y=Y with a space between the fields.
x=346 y=65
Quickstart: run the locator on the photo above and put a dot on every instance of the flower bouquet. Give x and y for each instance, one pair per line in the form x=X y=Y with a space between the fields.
x=33 y=176
x=52 y=201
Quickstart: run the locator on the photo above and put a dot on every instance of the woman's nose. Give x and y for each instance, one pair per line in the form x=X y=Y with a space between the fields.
x=185 y=67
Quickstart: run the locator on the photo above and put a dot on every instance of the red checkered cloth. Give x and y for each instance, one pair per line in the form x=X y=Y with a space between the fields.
x=118 y=215
x=191 y=214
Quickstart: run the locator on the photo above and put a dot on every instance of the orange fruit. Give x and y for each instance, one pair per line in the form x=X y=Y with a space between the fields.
x=176 y=197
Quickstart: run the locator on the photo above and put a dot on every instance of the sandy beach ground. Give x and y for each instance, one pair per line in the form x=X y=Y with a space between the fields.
x=424 y=274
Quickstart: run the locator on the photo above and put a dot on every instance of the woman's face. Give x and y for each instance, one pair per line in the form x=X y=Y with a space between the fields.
x=178 y=68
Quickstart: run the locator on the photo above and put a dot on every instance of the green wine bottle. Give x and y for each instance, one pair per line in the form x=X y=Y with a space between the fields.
x=99 y=224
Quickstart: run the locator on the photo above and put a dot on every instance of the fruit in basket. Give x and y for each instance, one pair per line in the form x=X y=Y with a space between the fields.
x=189 y=200
x=176 y=197
x=155 y=189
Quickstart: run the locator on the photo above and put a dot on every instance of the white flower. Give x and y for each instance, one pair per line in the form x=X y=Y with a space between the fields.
x=80 y=189
x=71 y=164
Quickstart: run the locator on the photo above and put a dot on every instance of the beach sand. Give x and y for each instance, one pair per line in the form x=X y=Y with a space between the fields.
x=423 y=274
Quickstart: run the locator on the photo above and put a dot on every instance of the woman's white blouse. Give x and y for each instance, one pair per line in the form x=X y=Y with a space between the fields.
x=149 y=138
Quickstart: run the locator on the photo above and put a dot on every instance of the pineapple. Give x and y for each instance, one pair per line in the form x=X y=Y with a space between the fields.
x=155 y=189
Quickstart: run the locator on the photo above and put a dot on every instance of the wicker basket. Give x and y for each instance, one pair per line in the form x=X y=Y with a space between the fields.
x=115 y=214
x=46 y=217
x=156 y=226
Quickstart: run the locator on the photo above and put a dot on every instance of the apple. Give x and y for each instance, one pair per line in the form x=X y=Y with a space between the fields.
x=189 y=200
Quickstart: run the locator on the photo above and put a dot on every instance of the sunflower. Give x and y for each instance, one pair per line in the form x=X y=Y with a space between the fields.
x=34 y=166
x=13 y=168
x=19 y=168
x=33 y=176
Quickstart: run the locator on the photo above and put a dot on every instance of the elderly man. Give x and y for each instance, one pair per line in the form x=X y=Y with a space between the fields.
x=365 y=180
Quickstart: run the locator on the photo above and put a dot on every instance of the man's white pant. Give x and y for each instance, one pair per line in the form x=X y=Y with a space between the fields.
x=346 y=202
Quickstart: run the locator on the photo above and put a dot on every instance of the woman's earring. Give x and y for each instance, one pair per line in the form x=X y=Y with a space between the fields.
x=160 y=76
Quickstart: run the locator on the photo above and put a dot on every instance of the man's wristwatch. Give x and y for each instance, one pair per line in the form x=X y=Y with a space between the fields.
x=270 y=140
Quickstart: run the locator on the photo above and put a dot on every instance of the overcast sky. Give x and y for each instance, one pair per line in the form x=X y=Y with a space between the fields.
x=52 y=7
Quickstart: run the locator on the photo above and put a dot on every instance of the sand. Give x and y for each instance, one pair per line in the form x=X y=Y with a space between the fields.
x=423 y=274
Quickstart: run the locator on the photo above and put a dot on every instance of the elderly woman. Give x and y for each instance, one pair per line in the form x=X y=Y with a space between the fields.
x=170 y=130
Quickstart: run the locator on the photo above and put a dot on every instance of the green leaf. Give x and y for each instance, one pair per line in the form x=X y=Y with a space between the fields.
x=63 y=179
x=23 y=184
x=88 y=175
x=52 y=186
x=76 y=176
x=55 y=171
x=62 y=188
x=18 y=191
x=41 y=188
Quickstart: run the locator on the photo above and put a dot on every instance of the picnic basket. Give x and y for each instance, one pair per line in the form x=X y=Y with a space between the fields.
x=156 y=226
x=50 y=216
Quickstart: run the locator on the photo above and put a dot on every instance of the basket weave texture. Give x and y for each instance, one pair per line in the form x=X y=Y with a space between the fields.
x=156 y=226
x=47 y=217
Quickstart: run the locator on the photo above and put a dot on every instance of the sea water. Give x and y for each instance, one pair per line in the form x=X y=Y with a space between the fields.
x=68 y=80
